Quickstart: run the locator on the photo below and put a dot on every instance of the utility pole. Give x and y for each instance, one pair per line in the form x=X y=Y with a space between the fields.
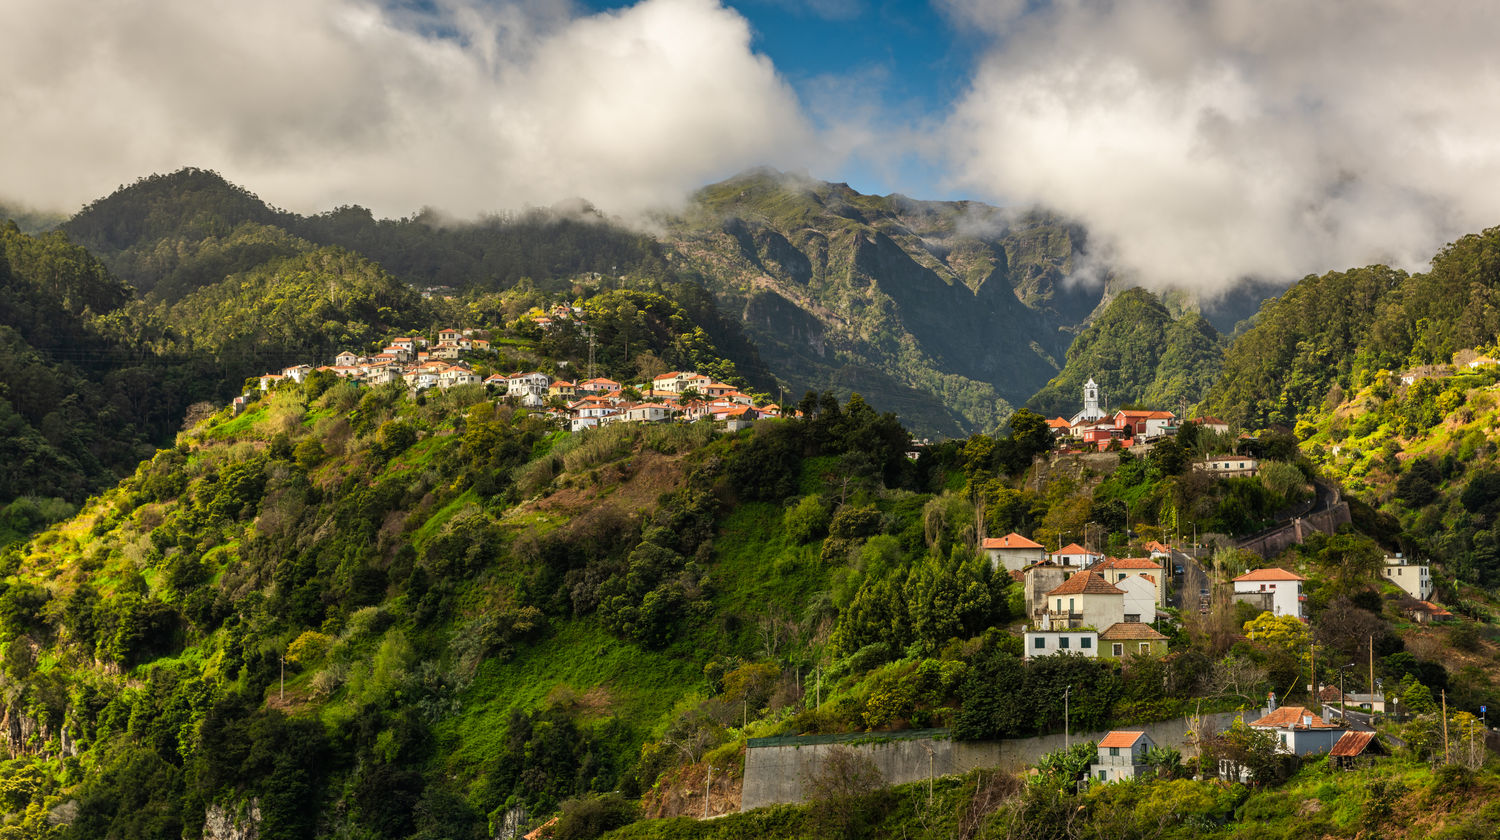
x=1371 y=688
x=1312 y=650
x=708 y=781
x=1447 y=756
x=1067 y=728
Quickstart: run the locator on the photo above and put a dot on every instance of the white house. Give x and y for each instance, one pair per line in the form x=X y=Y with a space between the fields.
x=677 y=381
x=528 y=384
x=297 y=373
x=1013 y=552
x=1140 y=601
x=1085 y=599
x=1122 y=755
x=1049 y=642
x=1076 y=556
x=1229 y=466
x=1299 y=731
x=1116 y=569
x=1415 y=579
x=347 y=359
x=647 y=413
x=1284 y=588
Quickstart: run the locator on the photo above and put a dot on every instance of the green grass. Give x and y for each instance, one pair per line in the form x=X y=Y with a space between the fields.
x=755 y=568
x=641 y=686
x=240 y=426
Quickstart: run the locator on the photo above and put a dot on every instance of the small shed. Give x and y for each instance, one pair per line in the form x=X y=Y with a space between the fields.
x=1355 y=749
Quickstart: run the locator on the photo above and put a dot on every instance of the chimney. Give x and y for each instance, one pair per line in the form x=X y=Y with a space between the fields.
x=1307 y=721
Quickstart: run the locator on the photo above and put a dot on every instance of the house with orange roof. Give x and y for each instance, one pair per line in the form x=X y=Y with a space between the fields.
x=1131 y=638
x=647 y=413
x=1117 y=569
x=1299 y=730
x=1085 y=599
x=1012 y=552
x=1122 y=755
x=1145 y=425
x=562 y=388
x=677 y=381
x=1060 y=426
x=1158 y=550
x=1076 y=556
x=1278 y=591
x=1212 y=424
x=599 y=385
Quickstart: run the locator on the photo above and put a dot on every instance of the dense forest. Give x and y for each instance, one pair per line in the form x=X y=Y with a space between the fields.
x=364 y=613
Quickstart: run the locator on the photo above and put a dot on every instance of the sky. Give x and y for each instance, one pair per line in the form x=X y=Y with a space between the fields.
x=1198 y=141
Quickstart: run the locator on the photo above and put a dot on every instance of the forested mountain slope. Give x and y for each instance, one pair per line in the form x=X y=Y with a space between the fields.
x=1137 y=353
x=1343 y=327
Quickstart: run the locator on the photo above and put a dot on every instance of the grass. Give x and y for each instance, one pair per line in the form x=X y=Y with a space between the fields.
x=640 y=686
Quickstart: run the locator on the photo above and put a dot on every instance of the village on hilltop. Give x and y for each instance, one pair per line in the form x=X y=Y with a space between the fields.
x=421 y=364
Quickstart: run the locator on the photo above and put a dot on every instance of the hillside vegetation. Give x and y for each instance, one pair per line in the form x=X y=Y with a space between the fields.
x=1138 y=354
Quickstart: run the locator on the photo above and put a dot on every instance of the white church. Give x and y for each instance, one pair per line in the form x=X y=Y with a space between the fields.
x=1091 y=410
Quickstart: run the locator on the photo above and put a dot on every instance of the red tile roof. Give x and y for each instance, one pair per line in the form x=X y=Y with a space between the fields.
x=1269 y=574
x=1291 y=717
x=1156 y=546
x=1059 y=423
x=1074 y=548
x=1085 y=583
x=1123 y=739
x=1132 y=631
x=1128 y=563
x=1011 y=540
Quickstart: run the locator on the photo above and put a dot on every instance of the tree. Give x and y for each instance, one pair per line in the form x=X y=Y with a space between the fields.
x=843 y=794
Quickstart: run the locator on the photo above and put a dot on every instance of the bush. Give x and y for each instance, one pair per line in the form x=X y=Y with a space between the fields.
x=807 y=520
x=589 y=817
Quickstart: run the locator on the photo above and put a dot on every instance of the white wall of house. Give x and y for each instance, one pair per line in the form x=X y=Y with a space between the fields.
x=1286 y=595
x=1414 y=579
x=1140 y=598
x=1049 y=642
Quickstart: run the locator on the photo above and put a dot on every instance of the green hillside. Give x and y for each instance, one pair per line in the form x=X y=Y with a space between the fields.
x=1138 y=354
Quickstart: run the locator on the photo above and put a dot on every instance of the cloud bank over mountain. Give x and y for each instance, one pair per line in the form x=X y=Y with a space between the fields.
x=468 y=106
x=1200 y=142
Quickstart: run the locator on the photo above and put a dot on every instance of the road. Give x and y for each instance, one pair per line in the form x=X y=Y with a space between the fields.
x=1191 y=584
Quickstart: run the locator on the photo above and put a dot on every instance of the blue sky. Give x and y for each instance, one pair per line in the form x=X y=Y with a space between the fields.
x=1198 y=141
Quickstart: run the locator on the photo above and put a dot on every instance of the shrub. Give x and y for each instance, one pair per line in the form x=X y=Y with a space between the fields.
x=588 y=817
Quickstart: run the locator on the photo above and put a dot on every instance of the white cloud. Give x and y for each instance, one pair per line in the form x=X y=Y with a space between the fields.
x=1200 y=142
x=472 y=107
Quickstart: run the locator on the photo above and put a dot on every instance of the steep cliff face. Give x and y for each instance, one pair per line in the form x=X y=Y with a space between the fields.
x=949 y=312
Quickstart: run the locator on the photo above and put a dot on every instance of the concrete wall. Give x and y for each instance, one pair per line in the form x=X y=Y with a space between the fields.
x=774 y=773
x=1274 y=542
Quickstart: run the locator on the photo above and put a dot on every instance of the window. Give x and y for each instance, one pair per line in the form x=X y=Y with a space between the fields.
x=1070 y=605
x=1086 y=643
x=1062 y=642
x=1145 y=647
x=1132 y=617
x=1114 y=752
x=1041 y=643
x=1119 y=649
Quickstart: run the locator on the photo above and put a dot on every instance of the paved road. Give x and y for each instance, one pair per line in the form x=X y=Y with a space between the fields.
x=1193 y=581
